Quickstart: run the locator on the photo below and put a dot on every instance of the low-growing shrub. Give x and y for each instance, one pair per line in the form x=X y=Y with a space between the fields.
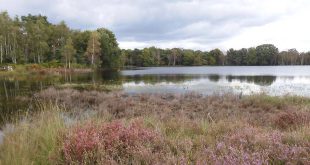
x=176 y=129
x=291 y=119
x=110 y=142
x=252 y=145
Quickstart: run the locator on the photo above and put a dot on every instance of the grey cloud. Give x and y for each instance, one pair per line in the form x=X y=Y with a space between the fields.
x=150 y=21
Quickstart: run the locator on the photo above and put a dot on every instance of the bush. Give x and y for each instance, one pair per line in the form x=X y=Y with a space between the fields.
x=52 y=64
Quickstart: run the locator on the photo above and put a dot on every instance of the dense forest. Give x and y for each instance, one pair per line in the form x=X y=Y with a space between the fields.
x=266 y=54
x=33 y=39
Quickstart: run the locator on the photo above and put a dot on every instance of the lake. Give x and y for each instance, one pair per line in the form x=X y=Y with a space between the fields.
x=245 y=80
x=271 y=80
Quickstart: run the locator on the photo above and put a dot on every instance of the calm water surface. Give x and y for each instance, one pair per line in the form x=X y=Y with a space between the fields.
x=272 y=80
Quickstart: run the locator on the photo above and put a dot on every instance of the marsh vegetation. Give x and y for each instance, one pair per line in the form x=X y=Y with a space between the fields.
x=91 y=127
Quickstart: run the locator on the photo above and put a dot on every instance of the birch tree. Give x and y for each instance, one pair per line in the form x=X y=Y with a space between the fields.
x=93 y=51
x=68 y=52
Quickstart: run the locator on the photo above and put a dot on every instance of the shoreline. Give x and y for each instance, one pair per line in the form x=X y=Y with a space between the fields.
x=40 y=69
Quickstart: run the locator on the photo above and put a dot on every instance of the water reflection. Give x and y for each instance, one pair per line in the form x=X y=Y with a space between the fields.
x=259 y=80
x=214 y=78
x=174 y=78
x=273 y=80
x=218 y=84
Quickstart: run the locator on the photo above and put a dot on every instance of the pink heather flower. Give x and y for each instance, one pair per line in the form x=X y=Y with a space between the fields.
x=113 y=138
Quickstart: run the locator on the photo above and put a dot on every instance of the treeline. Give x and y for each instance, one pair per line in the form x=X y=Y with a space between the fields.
x=266 y=54
x=33 y=39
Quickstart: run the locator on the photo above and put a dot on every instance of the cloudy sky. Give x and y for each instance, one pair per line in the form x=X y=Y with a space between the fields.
x=195 y=24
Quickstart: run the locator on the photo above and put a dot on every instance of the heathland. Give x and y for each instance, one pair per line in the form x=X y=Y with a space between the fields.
x=92 y=127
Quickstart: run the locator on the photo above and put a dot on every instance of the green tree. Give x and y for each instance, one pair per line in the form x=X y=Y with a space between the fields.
x=9 y=38
x=155 y=53
x=266 y=54
x=198 y=58
x=57 y=39
x=93 y=49
x=37 y=35
x=110 y=52
x=231 y=58
x=5 y=22
x=80 y=42
x=173 y=56
x=242 y=54
x=251 y=57
x=188 y=58
x=147 y=58
x=68 y=52
x=218 y=55
x=305 y=58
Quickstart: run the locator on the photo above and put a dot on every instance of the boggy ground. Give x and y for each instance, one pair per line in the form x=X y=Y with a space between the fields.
x=91 y=127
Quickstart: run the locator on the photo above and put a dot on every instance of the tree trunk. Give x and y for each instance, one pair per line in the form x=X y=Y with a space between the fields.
x=174 y=57
x=10 y=51
x=169 y=60
x=92 y=56
x=158 y=58
x=54 y=51
x=66 y=62
x=92 y=59
x=14 y=54
x=1 y=53
x=26 y=53
x=5 y=47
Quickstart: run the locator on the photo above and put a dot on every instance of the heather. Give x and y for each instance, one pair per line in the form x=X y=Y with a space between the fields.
x=92 y=127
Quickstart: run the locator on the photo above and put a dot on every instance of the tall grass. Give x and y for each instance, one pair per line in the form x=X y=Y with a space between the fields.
x=35 y=140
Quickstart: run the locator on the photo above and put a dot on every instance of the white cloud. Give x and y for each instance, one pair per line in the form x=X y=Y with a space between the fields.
x=196 y=24
x=291 y=31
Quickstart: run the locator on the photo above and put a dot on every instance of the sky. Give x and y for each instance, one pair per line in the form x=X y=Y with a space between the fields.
x=190 y=24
